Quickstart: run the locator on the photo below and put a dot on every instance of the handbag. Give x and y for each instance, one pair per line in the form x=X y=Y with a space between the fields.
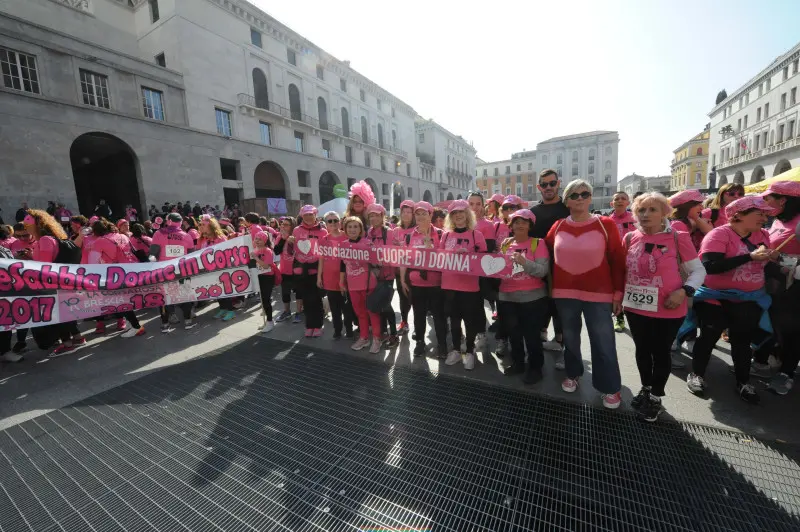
x=381 y=297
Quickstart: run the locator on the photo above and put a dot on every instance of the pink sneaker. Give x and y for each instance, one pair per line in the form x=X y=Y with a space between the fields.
x=612 y=400
x=121 y=324
x=317 y=333
x=309 y=333
x=61 y=350
x=569 y=385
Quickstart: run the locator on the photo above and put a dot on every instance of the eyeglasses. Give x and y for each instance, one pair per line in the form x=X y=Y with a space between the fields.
x=735 y=193
x=546 y=184
x=510 y=207
x=583 y=195
x=332 y=221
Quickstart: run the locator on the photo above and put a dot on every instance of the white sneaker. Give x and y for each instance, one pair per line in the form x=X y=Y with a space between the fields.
x=480 y=341
x=560 y=361
x=130 y=333
x=552 y=345
x=469 y=361
x=453 y=358
x=267 y=327
x=11 y=357
x=695 y=383
x=375 y=348
x=360 y=344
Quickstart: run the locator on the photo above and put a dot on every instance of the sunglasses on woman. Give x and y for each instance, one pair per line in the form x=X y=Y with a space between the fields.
x=734 y=193
x=510 y=207
x=583 y=195
x=332 y=221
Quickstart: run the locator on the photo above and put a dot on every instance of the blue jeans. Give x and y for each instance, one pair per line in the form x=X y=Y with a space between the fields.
x=605 y=368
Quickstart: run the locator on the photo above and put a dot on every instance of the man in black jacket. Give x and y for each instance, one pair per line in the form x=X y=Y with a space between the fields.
x=21 y=212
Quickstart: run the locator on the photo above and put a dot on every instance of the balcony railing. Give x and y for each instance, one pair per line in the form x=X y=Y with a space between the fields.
x=760 y=153
x=247 y=100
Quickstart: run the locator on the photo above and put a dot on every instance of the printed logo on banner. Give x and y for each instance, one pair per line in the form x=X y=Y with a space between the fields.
x=492 y=265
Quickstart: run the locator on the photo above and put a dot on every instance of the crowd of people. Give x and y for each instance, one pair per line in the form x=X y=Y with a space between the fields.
x=683 y=272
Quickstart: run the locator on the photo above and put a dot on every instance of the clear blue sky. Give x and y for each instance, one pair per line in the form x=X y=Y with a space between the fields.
x=508 y=74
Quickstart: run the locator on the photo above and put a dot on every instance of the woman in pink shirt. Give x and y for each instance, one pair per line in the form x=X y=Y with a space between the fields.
x=306 y=264
x=171 y=242
x=523 y=298
x=655 y=299
x=328 y=278
x=715 y=213
x=494 y=231
x=493 y=207
x=265 y=260
x=425 y=286
x=140 y=242
x=625 y=223
x=7 y=236
x=462 y=296
x=736 y=257
x=209 y=234
x=285 y=249
x=406 y=226
x=686 y=216
x=124 y=227
x=784 y=197
x=46 y=232
x=379 y=234
x=356 y=282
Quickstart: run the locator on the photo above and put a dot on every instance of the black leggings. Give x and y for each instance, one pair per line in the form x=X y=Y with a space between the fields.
x=340 y=308
x=265 y=284
x=186 y=309
x=784 y=311
x=426 y=299
x=309 y=292
x=226 y=303
x=287 y=287
x=405 y=304
x=653 y=339
x=466 y=306
x=131 y=317
x=741 y=319
x=523 y=324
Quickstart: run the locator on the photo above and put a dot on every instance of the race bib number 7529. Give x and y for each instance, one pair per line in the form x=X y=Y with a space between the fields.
x=641 y=298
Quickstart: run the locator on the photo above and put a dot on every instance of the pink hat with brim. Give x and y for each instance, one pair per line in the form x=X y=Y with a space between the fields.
x=261 y=235
x=686 y=196
x=308 y=209
x=407 y=203
x=423 y=205
x=747 y=203
x=458 y=205
x=513 y=200
x=783 y=188
x=524 y=213
x=121 y=221
x=499 y=198
x=376 y=207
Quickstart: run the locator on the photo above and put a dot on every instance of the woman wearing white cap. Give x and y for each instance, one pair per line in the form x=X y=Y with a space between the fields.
x=784 y=197
x=462 y=294
x=736 y=257
x=523 y=298
x=424 y=286
x=306 y=263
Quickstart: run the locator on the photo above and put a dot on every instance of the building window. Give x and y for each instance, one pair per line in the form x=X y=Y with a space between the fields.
x=153 y=102
x=345 y=122
x=367 y=159
x=380 y=136
x=322 y=112
x=780 y=133
x=394 y=139
x=393 y=112
x=575 y=156
x=758 y=115
x=326 y=148
x=154 y=16
x=747 y=99
x=364 y=130
x=608 y=151
x=508 y=170
x=699 y=151
x=260 y=89
x=785 y=73
x=291 y=57
x=343 y=85
x=383 y=163
x=559 y=171
x=608 y=178
x=255 y=37
x=362 y=95
x=790 y=130
x=739 y=125
x=294 y=102
x=320 y=72
x=783 y=101
x=224 y=122
x=303 y=178
x=769 y=84
x=161 y=60
x=608 y=165
x=299 y=141
x=519 y=167
x=495 y=172
x=766 y=111
x=697 y=178
x=421 y=138
x=559 y=159
x=348 y=154
x=795 y=65
x=574 y=170
x=266 y=133
x=385 y=189
x=760 y=89
x=485 y=172
x=544 y=160
x=519 y=189
x=591 y=168
x=19 y=71
x=745 y=121
x=408 y=173
x=530 y=166
x=378 y=104
x=94 y=88
x=793 y=96
x=530 y=189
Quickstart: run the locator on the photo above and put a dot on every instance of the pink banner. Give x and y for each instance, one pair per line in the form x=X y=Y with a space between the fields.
x=480 y=264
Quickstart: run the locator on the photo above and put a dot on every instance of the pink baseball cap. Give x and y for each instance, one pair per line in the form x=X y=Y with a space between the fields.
x=93 y=219
x=746 y=203
x=498 y=198
x=376 y=207
x=783 y=188
x=424 y=205
x=308 y=209
x=523 y=213
x=121 y=221
x=685 y=196
x=261 y=235
x=513 y=200
x=407 y=203
x=458 y=205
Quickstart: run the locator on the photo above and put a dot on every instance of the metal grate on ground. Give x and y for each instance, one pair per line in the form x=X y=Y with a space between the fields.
x=272 y=436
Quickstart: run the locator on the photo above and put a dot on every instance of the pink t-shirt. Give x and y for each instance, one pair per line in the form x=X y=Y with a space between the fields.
x=625 y=222
x=306 y=241
x=141 y=244
x=497 y=231
x=781 y=231
x=417 y=240
x=332 y=266
x=287 y=257
x=722 y=218
x=8 y=242
x=520 y=280
x=375 y=236
x=652 y=261
x=470 y=241
x=124 y=249
x=681 y=227
x=45 y=249
x=206 y=242
x=266 y=256
x=399 y=235
x=749 y=276
x=173 y=243
x=357 y=272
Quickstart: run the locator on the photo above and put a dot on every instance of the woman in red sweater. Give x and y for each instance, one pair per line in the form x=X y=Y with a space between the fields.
x=588 y=280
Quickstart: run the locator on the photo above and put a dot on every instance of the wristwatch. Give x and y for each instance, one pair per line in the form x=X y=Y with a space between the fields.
x=689 y=290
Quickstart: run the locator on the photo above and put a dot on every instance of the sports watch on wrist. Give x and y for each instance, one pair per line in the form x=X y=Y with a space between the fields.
x=689 y=290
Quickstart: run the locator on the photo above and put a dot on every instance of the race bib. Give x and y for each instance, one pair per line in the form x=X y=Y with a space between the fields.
x=173 y=251
x=65 y=218
x=641 y=298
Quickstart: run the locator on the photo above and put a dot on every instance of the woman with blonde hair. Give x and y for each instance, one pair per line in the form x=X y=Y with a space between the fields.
x=726 y=194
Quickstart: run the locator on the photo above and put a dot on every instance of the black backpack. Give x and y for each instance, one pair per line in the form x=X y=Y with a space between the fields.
x=68 y=253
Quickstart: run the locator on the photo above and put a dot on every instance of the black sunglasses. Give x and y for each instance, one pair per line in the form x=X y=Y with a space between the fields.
x=509 y=207
x=332 y=221
x=584 y=195
x=546 y=184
